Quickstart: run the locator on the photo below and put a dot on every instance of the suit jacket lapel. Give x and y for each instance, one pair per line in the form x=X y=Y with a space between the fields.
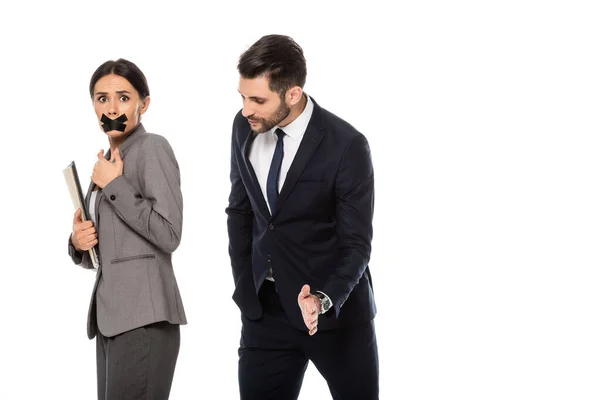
x=136 y=133
x=255 y=184
x=311 y=140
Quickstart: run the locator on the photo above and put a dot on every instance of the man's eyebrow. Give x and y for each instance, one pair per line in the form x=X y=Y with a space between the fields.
x=253 y=97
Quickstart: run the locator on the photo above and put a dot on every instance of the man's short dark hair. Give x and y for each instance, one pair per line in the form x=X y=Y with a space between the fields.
x=277 y=57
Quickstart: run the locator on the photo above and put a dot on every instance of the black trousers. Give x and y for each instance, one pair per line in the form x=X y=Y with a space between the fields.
x=273 y=356
x=138 y=364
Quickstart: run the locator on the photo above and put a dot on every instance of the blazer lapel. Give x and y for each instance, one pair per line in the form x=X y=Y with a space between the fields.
x=255 y=184
x=137 y=133
x=91 y=188
x=131 y=137
x=311 y=140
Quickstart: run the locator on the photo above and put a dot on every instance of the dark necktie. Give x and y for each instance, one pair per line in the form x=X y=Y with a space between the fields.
x=273 y=177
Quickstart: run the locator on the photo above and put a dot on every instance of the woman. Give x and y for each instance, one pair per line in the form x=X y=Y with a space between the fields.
x=135 y=204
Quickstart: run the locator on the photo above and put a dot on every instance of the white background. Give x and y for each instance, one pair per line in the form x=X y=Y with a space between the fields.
x=483 y=122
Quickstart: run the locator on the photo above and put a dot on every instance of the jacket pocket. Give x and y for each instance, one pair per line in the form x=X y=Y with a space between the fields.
x=125 y=259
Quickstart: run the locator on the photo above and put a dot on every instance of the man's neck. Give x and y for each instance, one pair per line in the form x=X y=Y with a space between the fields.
x=295 y=111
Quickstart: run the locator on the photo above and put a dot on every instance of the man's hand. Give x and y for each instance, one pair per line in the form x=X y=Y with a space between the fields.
x=105 y=171
x=310 y=305
x=84 y=233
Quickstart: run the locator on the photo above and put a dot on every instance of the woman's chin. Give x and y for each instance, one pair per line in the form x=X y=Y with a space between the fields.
x=116 y=134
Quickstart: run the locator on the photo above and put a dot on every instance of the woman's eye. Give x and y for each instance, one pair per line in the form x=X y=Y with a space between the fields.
x=123 y=98
x=102 y=99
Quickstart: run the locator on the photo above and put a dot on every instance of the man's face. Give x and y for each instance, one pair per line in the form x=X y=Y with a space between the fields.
x=263 y=108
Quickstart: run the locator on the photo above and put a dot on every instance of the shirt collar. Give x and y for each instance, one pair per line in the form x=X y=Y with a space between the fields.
x=297 y=127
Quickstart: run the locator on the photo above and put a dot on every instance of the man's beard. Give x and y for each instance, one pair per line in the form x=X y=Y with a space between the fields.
x=267 y=124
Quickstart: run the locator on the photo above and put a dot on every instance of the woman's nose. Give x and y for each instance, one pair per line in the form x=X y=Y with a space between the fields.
x=112 y=109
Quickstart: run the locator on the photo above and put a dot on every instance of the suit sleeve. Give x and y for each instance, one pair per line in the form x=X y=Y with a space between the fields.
x=157 y=213
x=240 y=216
x=354 y=215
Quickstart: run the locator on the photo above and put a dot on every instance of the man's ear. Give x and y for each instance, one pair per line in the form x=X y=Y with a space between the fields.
x=294 y=95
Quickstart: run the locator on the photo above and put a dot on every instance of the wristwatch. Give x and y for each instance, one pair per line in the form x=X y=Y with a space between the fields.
x=325 y=301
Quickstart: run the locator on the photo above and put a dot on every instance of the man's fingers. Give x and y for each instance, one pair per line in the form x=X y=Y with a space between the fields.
x=117 y=155
x=305 y=306
x=310 y=323
x=309 y=309
x=311 y=319
x=304 y=293
x=308 y=306
x=101 y=155
x=306 y=290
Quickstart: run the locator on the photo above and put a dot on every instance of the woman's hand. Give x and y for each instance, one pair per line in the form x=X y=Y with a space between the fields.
x=105 y=171
x=84 y=235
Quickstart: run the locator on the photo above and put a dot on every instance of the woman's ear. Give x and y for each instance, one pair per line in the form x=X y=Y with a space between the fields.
x=145 y=105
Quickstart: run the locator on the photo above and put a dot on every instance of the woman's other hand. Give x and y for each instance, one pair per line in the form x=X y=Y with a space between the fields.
x=84 y=235
x=105 y=171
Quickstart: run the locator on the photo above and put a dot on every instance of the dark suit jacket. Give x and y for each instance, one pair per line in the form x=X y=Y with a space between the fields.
x=321 y=232
x=139 y=221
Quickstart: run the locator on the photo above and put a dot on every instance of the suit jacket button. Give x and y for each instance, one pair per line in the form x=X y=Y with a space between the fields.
x=112 y=197
x=271 y=226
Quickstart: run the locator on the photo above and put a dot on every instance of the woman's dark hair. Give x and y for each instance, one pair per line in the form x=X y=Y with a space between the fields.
x=127 y=70
x=279 y=58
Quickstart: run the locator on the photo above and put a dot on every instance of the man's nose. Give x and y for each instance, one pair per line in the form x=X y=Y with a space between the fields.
x=247 y=110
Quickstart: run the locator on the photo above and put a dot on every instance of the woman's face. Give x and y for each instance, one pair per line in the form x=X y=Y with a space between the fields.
x=114 y=96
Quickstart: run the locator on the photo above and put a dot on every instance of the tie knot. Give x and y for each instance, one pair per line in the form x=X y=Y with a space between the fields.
x=279 y=133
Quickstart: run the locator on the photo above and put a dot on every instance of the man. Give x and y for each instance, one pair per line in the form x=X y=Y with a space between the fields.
x=300 y=227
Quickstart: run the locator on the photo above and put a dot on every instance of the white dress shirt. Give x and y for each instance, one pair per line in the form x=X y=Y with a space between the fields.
x=263 y=148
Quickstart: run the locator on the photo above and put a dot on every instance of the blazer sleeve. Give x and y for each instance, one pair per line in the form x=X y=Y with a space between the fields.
x=81 y=258
x=240 y=216
x=354 y=215
x=157 y=213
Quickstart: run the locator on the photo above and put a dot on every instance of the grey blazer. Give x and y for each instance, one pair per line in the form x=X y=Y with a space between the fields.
x=139 y=221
